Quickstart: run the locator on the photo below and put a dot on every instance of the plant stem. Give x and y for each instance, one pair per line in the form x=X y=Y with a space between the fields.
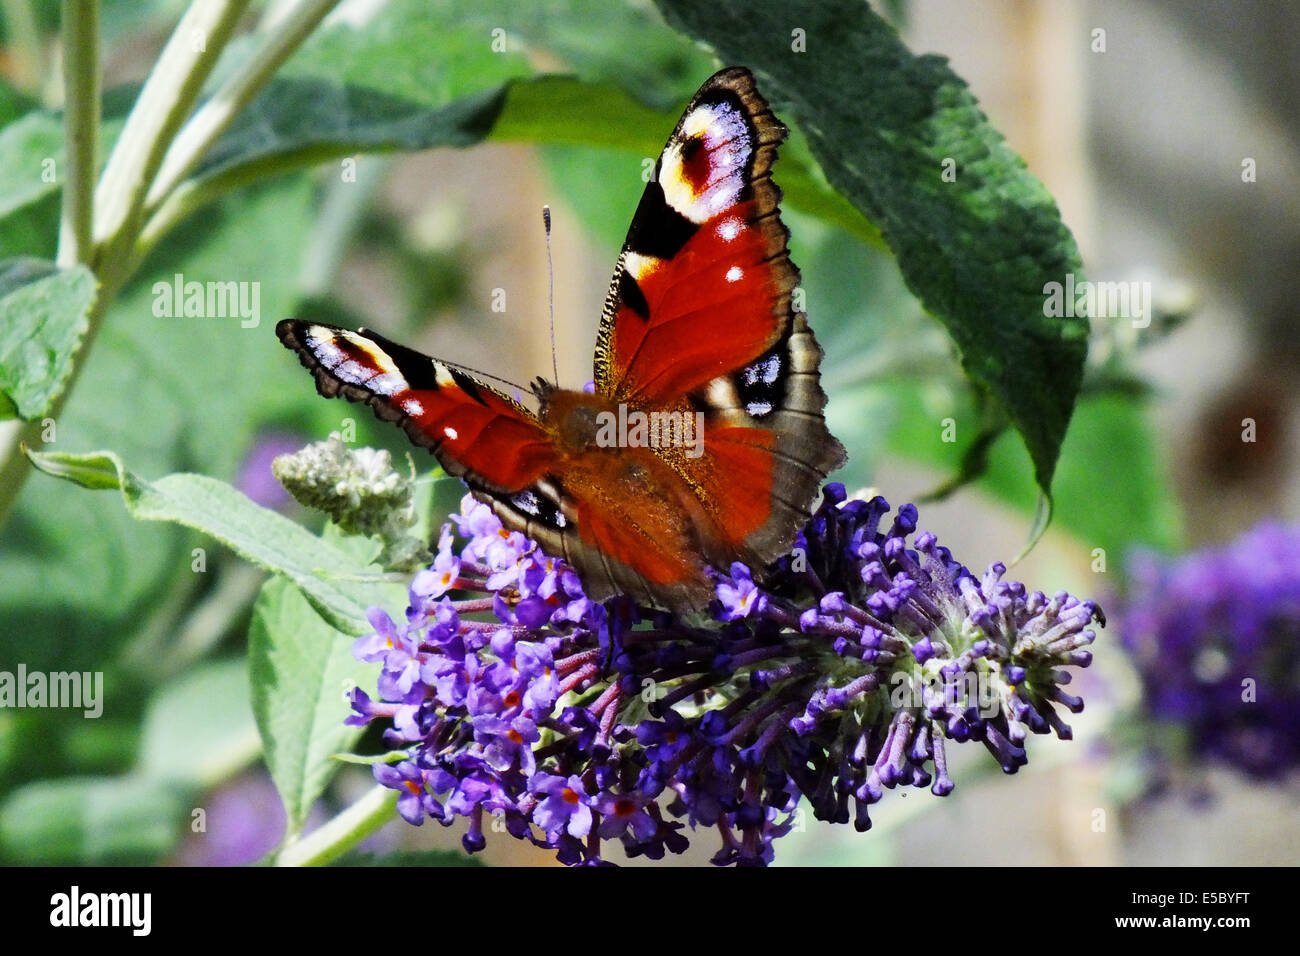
x=81 y=86
x=211 y=120
x=81 y=133
x=145 y=143
x=168 y=97
x=333 y=839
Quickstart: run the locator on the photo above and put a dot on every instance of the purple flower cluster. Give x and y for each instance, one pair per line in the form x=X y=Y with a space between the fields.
x=834 y=675
x=1216 y=638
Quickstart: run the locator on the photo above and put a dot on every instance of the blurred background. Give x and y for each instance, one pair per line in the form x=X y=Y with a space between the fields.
x=1139 y=131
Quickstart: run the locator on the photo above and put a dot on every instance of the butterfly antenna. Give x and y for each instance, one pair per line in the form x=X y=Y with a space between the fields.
x=550 y=296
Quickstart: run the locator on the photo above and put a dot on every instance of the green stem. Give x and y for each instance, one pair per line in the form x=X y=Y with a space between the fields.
x=215 y=115
x=146 y=145
x=330 y=841
x=167 y=98
x=81 y=89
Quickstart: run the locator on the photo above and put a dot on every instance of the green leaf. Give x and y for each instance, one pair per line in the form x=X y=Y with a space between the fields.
x=1112 y=456
x=301 y=669
x=427 y=54
x=977 y=252
x=199 y=729
x=32 y=154
x=334 y=582
x=407 y=77
x=25 y=145
x=91 y=821
x=300 y=122
x=43 y=315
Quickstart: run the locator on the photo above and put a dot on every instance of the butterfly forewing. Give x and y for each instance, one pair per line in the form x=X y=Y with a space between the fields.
x=701 y=305
x=473 y=430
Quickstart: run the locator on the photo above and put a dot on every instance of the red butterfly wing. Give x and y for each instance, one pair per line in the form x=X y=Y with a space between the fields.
x=700 y=314
x=703 y=284
x=474 y=430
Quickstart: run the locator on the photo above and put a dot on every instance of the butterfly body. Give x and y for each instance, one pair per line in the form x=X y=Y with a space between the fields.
x=703 y=441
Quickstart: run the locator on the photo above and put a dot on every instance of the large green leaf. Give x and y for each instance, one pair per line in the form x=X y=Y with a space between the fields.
x=299 y=122
x=339 y=586
x=43 y=315
x=433 y=53
x=301 y=669
x=893 y=381
x=978 y=251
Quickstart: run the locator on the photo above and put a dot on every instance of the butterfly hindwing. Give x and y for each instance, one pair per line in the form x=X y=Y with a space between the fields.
x=474 y=431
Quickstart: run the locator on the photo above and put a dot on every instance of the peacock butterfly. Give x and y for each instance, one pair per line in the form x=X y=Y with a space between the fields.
x=703 y=442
